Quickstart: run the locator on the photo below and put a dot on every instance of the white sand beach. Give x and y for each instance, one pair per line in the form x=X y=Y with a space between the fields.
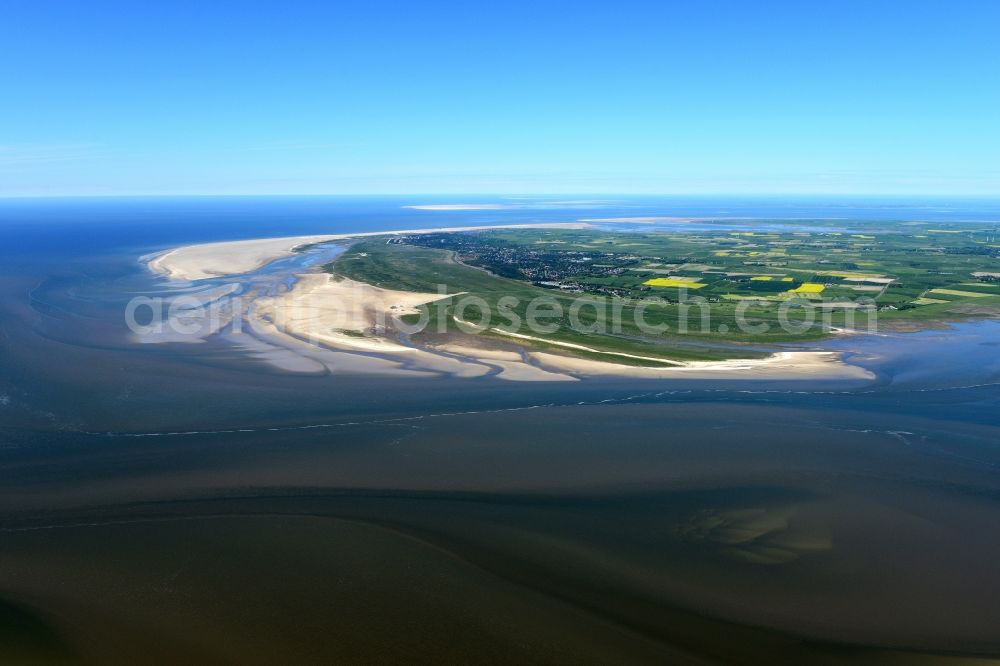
x=780 y=366
x=354 y=317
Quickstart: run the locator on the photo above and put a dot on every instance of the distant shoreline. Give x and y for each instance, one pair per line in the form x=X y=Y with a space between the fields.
x=209 y=260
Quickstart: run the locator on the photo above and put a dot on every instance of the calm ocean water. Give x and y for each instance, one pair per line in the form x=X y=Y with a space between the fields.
x=99 y=223
x=186 y=492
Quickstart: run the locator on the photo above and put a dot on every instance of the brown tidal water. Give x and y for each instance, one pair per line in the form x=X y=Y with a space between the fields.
x=624 y=532
x=168 y=504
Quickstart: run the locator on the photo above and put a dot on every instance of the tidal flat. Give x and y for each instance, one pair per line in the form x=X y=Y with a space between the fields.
x=185 y=502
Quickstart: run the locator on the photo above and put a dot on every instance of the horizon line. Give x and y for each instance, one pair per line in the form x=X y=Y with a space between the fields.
x=514 y=194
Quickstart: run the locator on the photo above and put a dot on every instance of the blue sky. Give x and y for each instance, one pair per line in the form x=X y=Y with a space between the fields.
x=508 y=97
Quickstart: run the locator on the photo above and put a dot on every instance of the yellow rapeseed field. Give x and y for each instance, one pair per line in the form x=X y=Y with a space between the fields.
x=807 y=288
x=689 y=283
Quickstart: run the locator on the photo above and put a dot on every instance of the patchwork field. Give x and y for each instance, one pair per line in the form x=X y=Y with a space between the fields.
x=708 y=291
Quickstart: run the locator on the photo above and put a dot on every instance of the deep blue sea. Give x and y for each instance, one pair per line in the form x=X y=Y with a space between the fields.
x=143 y=221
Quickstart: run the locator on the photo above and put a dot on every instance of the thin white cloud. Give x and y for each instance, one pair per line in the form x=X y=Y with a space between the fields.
x=537 y=205
x=485 y=206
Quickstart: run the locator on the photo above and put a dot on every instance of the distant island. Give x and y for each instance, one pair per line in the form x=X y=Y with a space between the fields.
x=626 y=297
